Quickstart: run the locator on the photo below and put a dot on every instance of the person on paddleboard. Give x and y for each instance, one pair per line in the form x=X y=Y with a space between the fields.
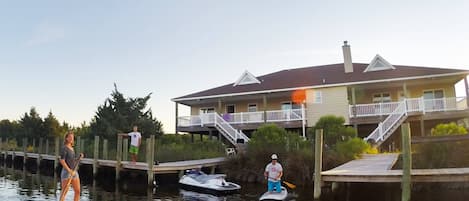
x=273 y=173
x=69 y=162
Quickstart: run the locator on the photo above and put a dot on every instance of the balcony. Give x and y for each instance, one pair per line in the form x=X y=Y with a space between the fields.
x=412 y=105
x=273 y=116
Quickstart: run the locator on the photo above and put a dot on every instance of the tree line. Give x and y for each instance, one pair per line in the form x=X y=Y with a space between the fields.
x=118 y=114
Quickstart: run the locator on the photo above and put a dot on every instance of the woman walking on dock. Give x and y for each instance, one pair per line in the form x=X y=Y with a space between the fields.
x=69 y=163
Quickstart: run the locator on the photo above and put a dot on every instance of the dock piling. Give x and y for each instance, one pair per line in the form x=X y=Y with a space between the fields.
x=318 y=163
x=95 y=156
x=406 y=162
x=118 y=157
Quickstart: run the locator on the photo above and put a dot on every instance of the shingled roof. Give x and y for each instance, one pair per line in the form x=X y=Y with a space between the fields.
x=325 y=75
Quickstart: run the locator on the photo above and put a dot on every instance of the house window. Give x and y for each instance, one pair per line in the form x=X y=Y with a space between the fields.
x=230 y=108
x=381 y=98
x=289 y=106
x=252 y=107
x=317 y=97
x=206 y=110
x=433 y=94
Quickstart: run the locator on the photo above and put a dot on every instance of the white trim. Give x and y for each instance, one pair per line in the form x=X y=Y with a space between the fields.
x=315 y=96
x=381 y=96
x=372 y=66
x=320 y=86
x=251 y=79
x=202 y=108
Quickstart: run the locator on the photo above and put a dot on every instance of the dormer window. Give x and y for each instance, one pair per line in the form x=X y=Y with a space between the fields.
x=377 y=64
x=246 y=78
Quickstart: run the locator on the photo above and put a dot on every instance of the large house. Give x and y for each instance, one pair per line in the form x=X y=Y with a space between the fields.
x=375 y=98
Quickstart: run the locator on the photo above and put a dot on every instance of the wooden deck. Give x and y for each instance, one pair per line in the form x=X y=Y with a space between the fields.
x=162 y=168
x=377 y=169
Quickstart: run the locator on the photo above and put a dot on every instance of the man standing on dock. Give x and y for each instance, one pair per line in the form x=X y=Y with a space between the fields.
x=135 y=141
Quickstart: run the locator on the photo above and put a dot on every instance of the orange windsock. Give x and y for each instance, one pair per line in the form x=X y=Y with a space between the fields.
x=298 y=96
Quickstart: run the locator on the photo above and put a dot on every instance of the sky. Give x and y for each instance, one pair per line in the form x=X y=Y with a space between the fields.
x=65 y=56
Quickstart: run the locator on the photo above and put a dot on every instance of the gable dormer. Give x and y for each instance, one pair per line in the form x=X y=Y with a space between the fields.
x=378 y=63
x=246 y=78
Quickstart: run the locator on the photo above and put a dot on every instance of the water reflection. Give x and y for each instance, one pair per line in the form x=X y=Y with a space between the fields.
x=195 y=196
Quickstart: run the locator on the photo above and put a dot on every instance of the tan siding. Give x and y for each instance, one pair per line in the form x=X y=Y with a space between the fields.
x=334 y=102
x=365 y=96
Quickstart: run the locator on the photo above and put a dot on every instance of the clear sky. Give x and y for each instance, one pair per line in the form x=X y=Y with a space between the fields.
x=64 y=56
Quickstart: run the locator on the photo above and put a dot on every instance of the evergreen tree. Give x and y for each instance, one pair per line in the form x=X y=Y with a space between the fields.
x=52 y=126
x=32 y=125
x=118 y=114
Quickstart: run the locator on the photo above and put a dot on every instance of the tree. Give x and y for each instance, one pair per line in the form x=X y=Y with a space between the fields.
x=9 y=129
x=52 y=126
x=334 y=129
x=118 y=114
x=32 y=125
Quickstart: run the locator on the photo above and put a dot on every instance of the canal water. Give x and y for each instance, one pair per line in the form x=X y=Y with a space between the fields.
x=18 y=184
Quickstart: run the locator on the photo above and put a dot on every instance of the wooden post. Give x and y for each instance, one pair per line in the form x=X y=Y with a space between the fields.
x=25 y=141
x=125 y=150
x=39 y=152
x=78 y=145
x=95 y=157
x=150 y=158
x=318 y=163
x=47 y=146
x=82 y=146
x=105 y=149
x=118 y=157
x=406 y=162
x=176 y=119
x=212 y=170
x=34 y=145
x=56 y=158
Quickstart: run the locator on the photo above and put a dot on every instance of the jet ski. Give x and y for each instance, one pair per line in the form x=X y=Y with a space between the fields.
x=208 y=183
x=275 y=195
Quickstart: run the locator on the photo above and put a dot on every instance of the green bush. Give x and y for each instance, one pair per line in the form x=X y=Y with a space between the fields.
x=333 y=129
x=353 y=148
x=448 y=129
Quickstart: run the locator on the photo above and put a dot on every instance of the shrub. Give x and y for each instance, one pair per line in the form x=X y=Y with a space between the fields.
x=448 y=129
x=334 y=129
x=353 y=148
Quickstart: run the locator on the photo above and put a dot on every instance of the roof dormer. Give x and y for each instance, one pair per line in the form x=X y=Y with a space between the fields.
x=377 y=64
x=246 y=78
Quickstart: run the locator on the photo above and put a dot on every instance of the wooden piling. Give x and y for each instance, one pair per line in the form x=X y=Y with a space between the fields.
x=39 y=152
x=78 y=145
x=118 y=157
x=105 y=149
x=318 y=163
x=56 y=159
x=95 y=157
x=47 y=146
x=150 y=158
x=406 y=162
x=24 y=150
x=125 y=150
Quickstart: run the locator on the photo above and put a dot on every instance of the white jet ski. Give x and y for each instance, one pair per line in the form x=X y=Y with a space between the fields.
x=208 y=183
x=274 y=195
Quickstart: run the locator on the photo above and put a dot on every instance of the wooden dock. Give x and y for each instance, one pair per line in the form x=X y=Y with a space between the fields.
x=376 y=168
x=162 y=168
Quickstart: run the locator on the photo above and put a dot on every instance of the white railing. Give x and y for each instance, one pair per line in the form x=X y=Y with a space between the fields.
x=227 y=130
x=381 y=132
x=284 y=115
x=413 y=105
x=243 y=117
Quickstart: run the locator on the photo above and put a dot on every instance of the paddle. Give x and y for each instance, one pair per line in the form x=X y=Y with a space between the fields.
x=67 y=185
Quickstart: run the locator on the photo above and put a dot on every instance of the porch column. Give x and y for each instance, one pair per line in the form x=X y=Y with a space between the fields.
x=404 y=88
x=422 y=126
x=466 y=84
x=219 y=106
x=264 y=100
x=177 y=113
x=354 y=103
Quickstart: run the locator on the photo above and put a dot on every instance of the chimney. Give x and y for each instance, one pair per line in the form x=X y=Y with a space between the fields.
x=348 y=66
